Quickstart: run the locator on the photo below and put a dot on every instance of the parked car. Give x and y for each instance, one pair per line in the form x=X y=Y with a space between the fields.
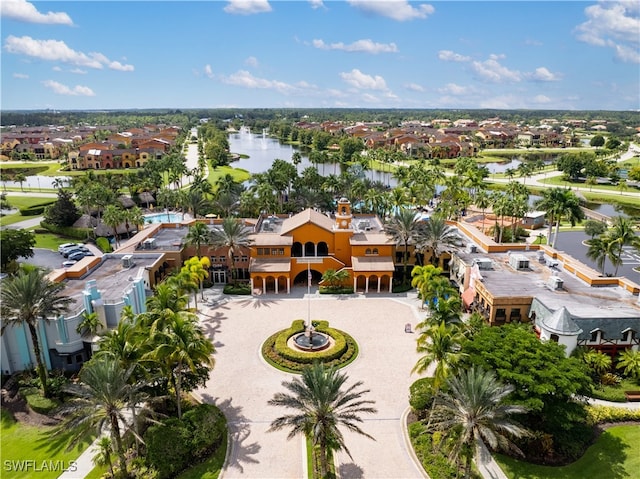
x=68 y=263
x=66 y=246
x=77 y=256
x=68 y=252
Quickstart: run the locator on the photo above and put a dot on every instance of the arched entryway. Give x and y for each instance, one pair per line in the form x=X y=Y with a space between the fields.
x=302 y=276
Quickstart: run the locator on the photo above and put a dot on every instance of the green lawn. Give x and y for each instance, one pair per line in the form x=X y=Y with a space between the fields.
x=239 y=175
x=615 y=455
x=21 y=202
x=35 y=450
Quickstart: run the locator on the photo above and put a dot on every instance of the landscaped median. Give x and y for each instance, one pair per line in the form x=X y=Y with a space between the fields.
x=277 y=353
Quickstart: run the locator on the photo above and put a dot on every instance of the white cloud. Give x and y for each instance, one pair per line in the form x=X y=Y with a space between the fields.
x=22 y=76
x=491 y=70
x=208 y=71
x=543 y=74
x=399 y=10
x=369 y=98
x=455 y=90
x=541 y=99
x=361 y=80
x=247 y=7
x=252 y=62
x=613 y=24
x=24 y=11
x=365 y=45
x=245 y=79
x=57 y=50
x=56 y=69
x=316 y=4
x=449 y=56
x=61 y=89
x=414 y=87
x=78 y=71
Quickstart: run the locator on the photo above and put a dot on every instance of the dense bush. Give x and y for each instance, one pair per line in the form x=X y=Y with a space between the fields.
x=177 y=444
x=35 y=210
x=104 y=245
x=68 y=231
x=336 y=290
x=421 y=396
x=600 y=414
x=237 y=289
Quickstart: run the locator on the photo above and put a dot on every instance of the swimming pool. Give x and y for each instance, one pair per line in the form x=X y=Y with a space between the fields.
x=163 y=218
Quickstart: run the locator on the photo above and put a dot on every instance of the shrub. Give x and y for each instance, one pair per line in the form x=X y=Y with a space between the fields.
x=600 y=414
x=104 y=245
x=237 y=289
x=336 y=290
x=421 y=396
x=207 y=426
x=433 y=459
x=168 y=447
x=35 y=210
x=68 y=231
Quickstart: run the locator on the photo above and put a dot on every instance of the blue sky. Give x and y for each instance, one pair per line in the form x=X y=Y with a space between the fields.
x=352 y=54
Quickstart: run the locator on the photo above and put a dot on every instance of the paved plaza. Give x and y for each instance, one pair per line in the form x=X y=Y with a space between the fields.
x=242 y=382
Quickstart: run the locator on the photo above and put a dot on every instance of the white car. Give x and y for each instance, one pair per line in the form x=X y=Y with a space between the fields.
x=68 y=263
x=66 y=246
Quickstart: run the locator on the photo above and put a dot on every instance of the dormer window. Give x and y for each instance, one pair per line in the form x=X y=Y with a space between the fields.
x=596 y=336
x=628 y=335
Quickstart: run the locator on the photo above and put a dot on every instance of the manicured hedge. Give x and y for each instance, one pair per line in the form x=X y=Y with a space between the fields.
x=275 y=348
x=104 y=245
x=35 y=210
x=237 y=289
x=333 y=290
x=421 y=396
x=600 y=414
x=68 y=231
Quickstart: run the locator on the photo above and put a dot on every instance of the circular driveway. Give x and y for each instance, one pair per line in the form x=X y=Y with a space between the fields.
x=242 y=382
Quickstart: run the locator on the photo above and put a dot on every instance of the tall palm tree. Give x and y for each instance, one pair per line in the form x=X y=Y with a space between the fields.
x=472 y=412
x=181 y=347
x=166 y=296
x=623 y=233
x=198 y=235
x=28 y=299
x=233 y=236
x=601 y=248
x=434 y=235
x=558 y=203
x=113 y=217
x=321 y=407
x=440 y=345
x=404 y=227
x=133 y=216
x=102 y=395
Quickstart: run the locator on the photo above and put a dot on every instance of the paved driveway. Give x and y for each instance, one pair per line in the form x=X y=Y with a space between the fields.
x=242 y=383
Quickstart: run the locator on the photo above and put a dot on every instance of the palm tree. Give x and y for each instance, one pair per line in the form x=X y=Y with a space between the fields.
x=234 y=236
x=181 y=347
x=28 y=299
x=434 y=235
x=559 y=202
x=403 y=227
x=446 y=308
x=20 y=178
x=102 y=395
x=321 y=407
x=113 y=217
x=194 y=268
x=629 y=362
x=103 y=454
x=335 y=279
x=597 y=361
x=601 y=248
x=198 y=235
x=440 y=345
x=483 y=201
x=89 y=325
x=166 y=296
x=472 y=412
x=623 y=233
x=134 y=217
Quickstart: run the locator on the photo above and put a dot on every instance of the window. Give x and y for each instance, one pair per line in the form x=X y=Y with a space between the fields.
x=500 y=312
x=594 y=335
x=555 y=338
x=214 y=259
x=367 y=251
x=69 y=360
x=375 y=250
x=277 y=251
x=628 y=335
x=78 y=358
x=223 y=259
x=244 y=258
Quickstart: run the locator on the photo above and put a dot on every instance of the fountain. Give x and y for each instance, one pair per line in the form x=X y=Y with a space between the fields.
x=311 y=340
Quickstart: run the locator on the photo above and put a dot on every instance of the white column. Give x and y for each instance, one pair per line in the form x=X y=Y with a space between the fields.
x=288 y=285
x=366 y=285
x=391 y=284
x=355 y=282
x=379 y=278
x=264 y=285
x=276 y=284
x=251 y=283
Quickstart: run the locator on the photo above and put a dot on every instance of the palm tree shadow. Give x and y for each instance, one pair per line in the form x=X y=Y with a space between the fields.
x=350 y=471
x=212 y=323
x=239 y=431
x=257 y=303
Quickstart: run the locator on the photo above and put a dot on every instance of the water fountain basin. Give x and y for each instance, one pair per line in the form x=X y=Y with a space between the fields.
x=311 y=341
